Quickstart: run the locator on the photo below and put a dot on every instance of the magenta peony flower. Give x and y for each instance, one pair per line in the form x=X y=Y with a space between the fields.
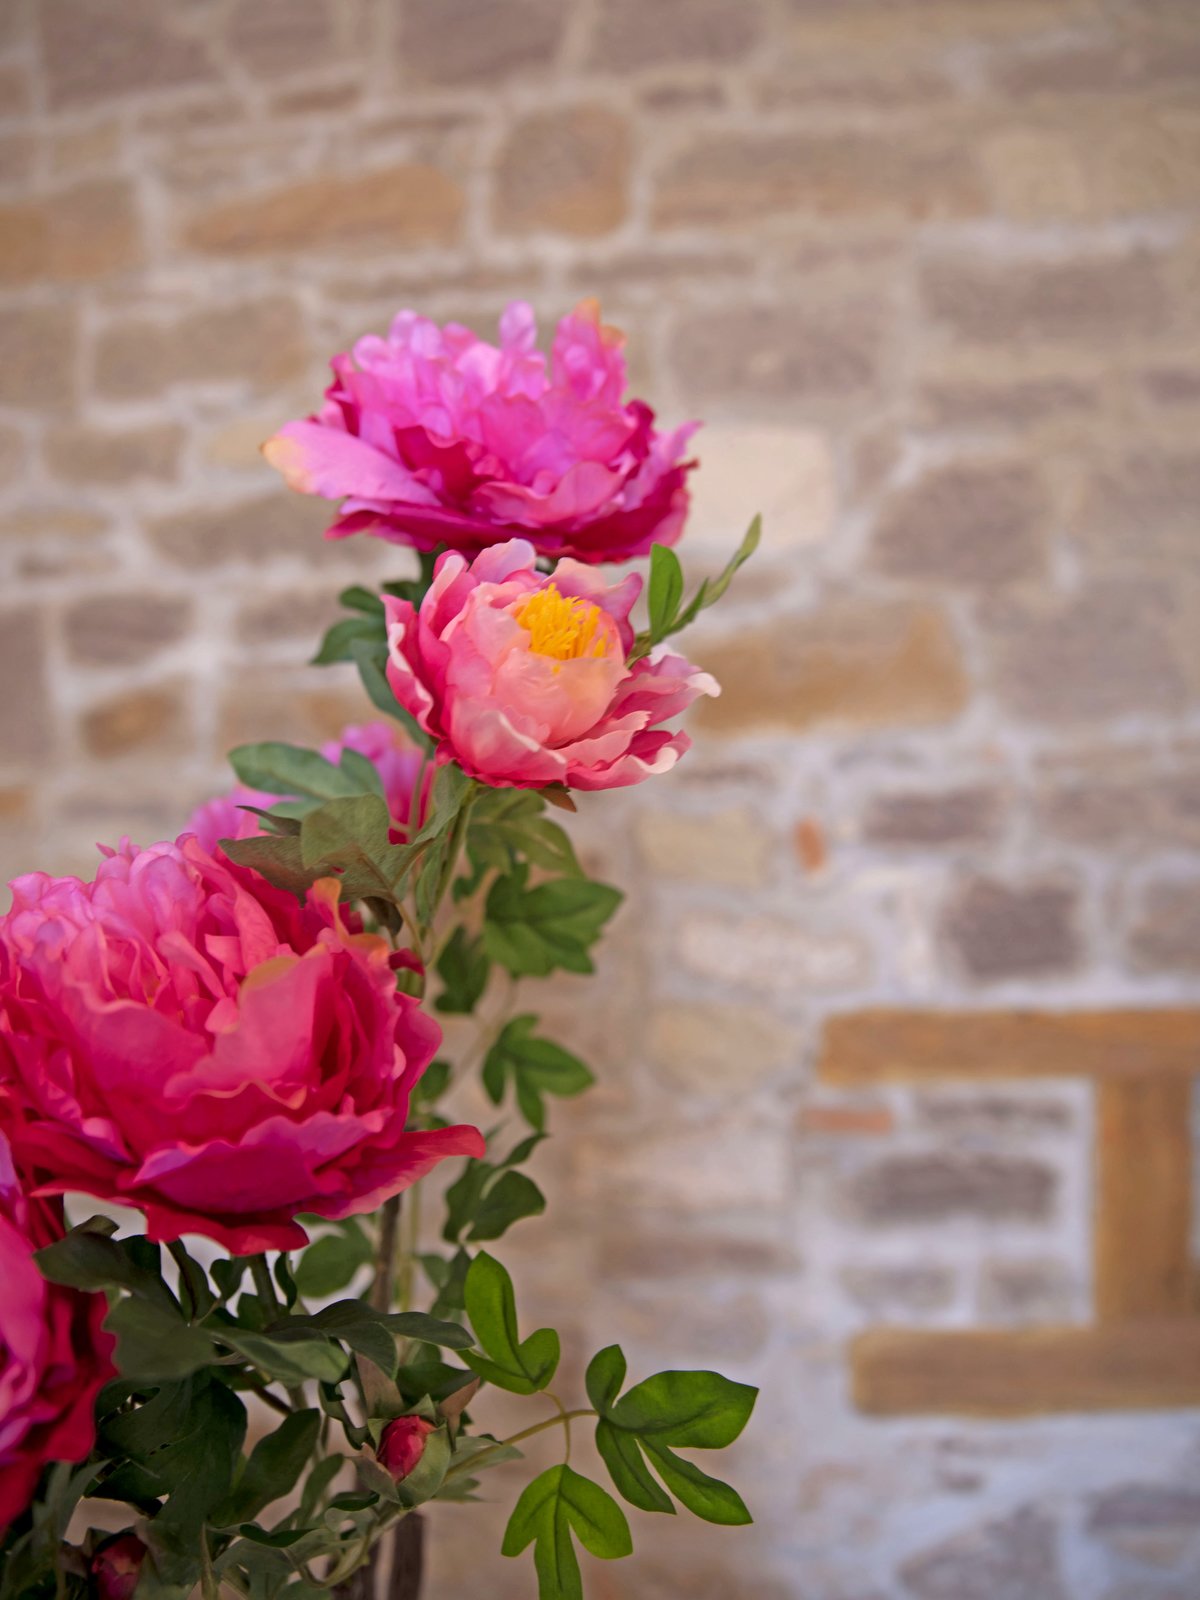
x=433 y=436
x=402 y=1444
x=182 y=1037
x=116 y=1566
x=54 y=1355
x=396 y=758
x=522 y=679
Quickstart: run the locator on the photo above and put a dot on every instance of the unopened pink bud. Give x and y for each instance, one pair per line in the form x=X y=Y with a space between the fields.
x=402 y=1444
x=116 y=1566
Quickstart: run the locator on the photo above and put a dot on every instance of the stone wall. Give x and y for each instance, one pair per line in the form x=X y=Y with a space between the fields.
x=930 y=270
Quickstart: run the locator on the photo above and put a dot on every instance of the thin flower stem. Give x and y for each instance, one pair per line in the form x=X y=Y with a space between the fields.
x=566 y=1422
x=385 y=1254
x=265 y=1285
x=562 y=1418
x=209 y=1587
x=408 y=1256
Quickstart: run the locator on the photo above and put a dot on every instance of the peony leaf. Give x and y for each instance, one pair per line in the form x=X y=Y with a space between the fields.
x=535 y=1067
x=520 y=1366
x=154 y=1342
x=330 y=1262
x=463 y=967
x=274 y=1467
x=701 y=1410
x=665 y=591
x=289 y=769
x=558 y=1502
x=533 y=931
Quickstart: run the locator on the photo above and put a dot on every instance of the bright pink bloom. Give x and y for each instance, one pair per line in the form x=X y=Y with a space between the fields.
x=433 y=436
x=402 y=1444
x=179 y=1036
x=116 y=1566
x=396 y=758
x=54 y=1356
x=521 y=678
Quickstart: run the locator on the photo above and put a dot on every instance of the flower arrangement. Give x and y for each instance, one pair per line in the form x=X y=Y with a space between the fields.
x=235 y=1033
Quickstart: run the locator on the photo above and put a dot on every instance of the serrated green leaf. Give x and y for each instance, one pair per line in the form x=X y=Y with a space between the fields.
x=520 y=1366
x=352 y=836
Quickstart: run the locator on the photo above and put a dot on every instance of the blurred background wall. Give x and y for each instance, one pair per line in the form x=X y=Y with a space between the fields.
x=929 y=270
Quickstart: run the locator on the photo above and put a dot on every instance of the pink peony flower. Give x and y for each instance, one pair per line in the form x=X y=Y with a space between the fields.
x=179 y=1036
x=116 y=1566
x=402 y=1444
x=522 y=679
x=396 y=758
x=433 y=436
x=54 y=1355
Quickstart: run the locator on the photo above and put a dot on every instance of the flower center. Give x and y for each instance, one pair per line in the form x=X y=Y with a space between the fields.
x=560 y=625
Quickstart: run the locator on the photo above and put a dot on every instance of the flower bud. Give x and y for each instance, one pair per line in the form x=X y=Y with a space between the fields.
x=402 y=1444
x=116 y=1566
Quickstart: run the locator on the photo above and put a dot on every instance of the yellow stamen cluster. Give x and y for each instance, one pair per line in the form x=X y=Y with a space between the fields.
x=560 y=625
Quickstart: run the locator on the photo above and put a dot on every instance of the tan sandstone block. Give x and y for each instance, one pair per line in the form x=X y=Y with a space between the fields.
x=786 y=474
x=564 y=172
x=413 y=204
x=731 y=848
x=853 y=664
x=720 y=1049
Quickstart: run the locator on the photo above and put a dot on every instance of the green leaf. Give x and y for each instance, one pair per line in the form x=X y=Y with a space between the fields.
x=700 y=1410
x=370 y=657
x=337 y=645
x=432 y=1084
x=290 y=1358
x=274 y=1467
x=535 y=1067
x=556 y=1503
x=512 y=1198
x=86 y=1259
x=520 y=1366
x=356 y=598
x=711 y=592
x=463 y=967
x=330 y=1262
x=705 y=1497
x=195 y=1292
x=665 y=590
x=533 y=931
x=289 y=769
x=364 y=772
x=351 y=835
x=154 y=1342
x=205 y=1455
x=277 y=858
x=604 y=1377
x=634 y=1482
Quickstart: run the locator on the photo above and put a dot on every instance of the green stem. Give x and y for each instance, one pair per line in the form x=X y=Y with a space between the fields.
x=566 y=1422
x=209 y=1587
x=265 y=1285
x=411 y=1244
x=561 y=1419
